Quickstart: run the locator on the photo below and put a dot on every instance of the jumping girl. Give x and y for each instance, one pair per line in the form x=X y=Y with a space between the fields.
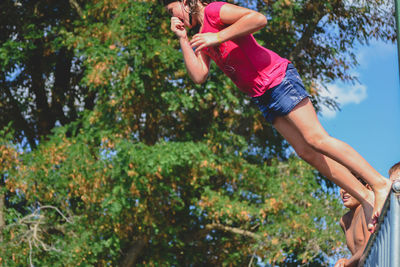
x=273 y=83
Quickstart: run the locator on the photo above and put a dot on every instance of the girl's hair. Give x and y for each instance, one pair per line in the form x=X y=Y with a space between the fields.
x=191 y=3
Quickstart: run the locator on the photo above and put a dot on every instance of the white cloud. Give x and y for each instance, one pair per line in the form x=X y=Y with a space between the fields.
x=347 y=94
x=377 y=49
x=344 y=94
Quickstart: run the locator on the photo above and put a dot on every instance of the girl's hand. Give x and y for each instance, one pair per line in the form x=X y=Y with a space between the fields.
x=202 y=40
x=178 y=27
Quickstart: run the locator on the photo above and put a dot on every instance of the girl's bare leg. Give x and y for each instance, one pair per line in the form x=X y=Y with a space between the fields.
x=304 y=119
x=330 y=168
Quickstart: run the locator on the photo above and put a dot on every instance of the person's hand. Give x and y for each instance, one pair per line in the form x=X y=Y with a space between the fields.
x=341 y=263
x=202 y=40
x=178 y=27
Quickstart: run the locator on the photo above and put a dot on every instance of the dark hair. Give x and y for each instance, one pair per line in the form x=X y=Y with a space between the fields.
x=191 y=3
x=166 y=2
x=395 y=167
x=364 y=183
x=361 y=180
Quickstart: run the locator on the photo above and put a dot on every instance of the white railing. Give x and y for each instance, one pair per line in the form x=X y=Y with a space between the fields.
x=383 y=248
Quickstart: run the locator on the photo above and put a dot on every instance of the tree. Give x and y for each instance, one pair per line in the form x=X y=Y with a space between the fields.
x=172 y=203
x=147 y=168
x=40 y=77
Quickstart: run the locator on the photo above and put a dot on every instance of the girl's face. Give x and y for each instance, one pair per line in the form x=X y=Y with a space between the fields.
x=180 y=10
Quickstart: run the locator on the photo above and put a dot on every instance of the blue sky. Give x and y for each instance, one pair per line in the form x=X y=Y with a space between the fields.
x=369 y=119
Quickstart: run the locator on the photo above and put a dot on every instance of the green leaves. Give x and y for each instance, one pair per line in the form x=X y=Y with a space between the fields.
x=179 y=195
x=142 y=159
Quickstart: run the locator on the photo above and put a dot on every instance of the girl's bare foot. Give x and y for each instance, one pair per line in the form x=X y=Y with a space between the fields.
x=380 y=198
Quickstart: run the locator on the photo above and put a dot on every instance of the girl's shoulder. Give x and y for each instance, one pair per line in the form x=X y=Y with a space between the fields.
x=211 y=13
x=214 y=6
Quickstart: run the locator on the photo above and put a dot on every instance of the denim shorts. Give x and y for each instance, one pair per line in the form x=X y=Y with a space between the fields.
x=281 y=99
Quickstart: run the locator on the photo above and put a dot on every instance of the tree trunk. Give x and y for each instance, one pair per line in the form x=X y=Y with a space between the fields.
x=2 y=220
x=134 y=252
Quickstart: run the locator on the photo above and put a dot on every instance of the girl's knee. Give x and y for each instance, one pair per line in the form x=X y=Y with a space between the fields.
x=317 y=140
x=307 y=153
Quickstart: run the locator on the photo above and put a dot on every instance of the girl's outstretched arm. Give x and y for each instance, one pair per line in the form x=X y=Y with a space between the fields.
x=242 y=21
x=197 y=64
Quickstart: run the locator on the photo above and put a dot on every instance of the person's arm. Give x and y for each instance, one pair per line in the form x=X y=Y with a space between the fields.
x=242 y=21
x=353 y=261
x=197 y=64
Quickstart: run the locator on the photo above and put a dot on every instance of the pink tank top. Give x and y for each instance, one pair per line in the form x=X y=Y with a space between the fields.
x=253 y=68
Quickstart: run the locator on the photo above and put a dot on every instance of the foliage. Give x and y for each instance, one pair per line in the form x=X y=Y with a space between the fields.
x=190 y=202
x=38 y=73
x=109 y=155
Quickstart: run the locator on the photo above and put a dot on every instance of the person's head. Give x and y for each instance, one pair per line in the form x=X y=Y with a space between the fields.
x=394 y=172
x=349 y=201
x=185 y=10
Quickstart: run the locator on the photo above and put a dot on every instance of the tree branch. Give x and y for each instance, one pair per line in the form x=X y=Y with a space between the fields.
x=2 y=220
x=218 y=226
x=307 y=34
x=75 y=5
x=33 y=226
